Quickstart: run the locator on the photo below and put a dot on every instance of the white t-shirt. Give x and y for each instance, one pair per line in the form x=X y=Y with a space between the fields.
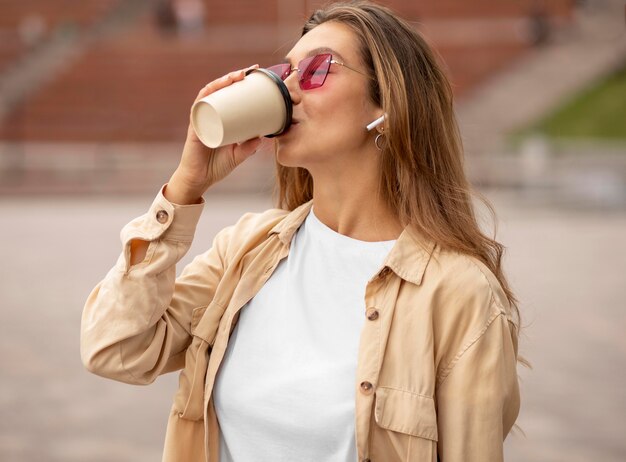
x=285 y=391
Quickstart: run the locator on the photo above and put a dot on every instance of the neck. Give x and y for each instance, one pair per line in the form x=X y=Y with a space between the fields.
x=348 y=200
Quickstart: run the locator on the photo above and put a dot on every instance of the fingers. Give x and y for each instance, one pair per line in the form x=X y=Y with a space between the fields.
x=251 y=145
x=224 y=81
x=246 y=149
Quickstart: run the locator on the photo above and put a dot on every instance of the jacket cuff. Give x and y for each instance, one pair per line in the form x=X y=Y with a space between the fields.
x=164 y=220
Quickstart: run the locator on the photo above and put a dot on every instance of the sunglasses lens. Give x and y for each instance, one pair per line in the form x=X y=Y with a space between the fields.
x=281 y=70
x=314 y=71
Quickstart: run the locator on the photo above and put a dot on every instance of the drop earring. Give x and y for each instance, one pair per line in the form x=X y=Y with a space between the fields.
x=377 y=141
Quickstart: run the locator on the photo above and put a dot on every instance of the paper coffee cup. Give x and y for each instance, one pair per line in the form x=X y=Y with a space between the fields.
x=258 y=105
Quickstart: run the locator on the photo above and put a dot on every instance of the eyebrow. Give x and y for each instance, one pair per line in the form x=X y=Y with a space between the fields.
x=318 y=51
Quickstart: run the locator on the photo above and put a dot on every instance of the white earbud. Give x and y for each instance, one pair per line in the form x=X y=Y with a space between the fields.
x=376 y=123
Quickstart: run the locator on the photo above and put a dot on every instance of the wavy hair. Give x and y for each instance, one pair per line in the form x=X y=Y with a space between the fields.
x=422 y=175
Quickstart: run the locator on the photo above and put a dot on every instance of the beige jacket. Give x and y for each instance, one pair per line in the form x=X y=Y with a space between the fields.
x=437 y=362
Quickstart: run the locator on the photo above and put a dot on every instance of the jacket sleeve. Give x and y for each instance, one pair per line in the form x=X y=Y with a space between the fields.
x=136 y=322
x=478 y=400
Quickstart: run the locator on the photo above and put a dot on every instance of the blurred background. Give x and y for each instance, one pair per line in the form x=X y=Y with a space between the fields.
x=94 y=104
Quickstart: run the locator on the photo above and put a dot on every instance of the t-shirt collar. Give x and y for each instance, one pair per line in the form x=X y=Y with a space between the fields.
x=408 y=258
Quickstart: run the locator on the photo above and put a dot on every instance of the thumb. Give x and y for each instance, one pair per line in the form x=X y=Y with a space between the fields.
x=246 y=149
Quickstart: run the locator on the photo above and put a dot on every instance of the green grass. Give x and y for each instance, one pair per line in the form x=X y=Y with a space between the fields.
x=599 y=112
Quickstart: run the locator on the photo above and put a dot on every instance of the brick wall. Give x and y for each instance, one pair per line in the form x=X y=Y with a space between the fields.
x=138 y=85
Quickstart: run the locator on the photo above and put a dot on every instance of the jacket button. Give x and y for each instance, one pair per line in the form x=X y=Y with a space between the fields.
x=367 y=387
x=372 y=314
x=162 y=216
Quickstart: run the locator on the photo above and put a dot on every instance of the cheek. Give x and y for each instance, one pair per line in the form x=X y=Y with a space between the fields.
x=344 y=127
x=339 y=118
x=334 y=120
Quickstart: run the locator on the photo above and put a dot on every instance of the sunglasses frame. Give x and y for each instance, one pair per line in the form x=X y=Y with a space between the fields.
x=284 y=70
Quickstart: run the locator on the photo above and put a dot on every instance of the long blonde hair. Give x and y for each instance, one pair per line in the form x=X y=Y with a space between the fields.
x=422 y=175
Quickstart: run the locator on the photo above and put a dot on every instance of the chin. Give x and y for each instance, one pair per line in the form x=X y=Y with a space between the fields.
x=287 y=156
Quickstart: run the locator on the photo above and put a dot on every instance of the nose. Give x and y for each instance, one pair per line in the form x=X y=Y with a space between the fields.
x=291 y=82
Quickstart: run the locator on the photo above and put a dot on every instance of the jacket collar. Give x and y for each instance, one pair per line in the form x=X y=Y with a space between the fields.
x=408 y=258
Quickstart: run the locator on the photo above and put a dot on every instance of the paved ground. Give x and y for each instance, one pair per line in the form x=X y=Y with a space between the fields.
x=568 y=267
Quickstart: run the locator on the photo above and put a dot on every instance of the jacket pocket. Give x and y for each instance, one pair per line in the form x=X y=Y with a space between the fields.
x=406 y=427
x=406 y=412
x=189 y=399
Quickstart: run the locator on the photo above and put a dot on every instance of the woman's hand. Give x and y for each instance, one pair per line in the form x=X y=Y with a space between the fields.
x=201 y=166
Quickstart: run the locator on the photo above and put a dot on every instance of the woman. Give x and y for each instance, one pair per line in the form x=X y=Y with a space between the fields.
x=377 y=322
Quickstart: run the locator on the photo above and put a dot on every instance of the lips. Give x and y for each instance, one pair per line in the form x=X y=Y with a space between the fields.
x=292 y=125
x=288 y=130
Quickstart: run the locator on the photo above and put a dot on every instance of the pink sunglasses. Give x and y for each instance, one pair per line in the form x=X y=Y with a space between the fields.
x=312 y=71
